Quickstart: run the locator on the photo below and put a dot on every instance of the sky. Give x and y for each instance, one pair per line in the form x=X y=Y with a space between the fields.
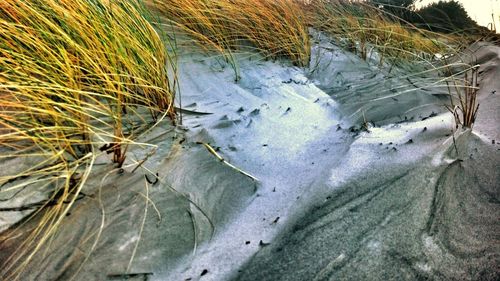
x=478 y=10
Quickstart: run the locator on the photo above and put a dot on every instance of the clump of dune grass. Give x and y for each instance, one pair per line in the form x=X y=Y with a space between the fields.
x=463 y=98
x=274 y=28
x=362 y=28
x=76 y=77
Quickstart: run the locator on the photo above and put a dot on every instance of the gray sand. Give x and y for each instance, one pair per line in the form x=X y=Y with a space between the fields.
x=333 y=201
x=435 y=219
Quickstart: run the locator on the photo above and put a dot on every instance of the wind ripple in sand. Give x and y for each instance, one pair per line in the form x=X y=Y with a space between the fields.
x=437 y=223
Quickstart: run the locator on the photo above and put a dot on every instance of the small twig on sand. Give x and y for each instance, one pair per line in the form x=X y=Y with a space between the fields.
x=155 y=181
x=213 y=152
x=125 y=276
x=153 y=151
x=191 y=216
x=454 y=143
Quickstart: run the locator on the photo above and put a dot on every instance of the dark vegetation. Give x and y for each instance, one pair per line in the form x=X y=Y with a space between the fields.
x=443 y=16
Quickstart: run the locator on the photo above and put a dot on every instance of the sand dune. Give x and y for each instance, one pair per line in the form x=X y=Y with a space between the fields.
x=358 y=176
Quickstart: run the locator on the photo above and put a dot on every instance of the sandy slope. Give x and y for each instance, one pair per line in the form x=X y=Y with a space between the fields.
x=404 y=218
x=332 y=201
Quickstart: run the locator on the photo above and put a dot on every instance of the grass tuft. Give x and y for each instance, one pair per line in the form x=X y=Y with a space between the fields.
x=362 y=28
x=75 y=76
x=274 y=28
x=463 y=103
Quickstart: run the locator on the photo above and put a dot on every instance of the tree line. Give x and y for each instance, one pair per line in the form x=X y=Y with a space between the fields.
x=443 y=16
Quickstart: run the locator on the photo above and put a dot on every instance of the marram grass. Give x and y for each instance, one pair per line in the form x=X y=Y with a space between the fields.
x=279 y=28
x=274 y=28
x=463 y=102
x=361 y=27
x=74 y=75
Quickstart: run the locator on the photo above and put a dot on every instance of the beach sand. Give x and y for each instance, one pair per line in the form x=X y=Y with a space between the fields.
x=353 y=172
